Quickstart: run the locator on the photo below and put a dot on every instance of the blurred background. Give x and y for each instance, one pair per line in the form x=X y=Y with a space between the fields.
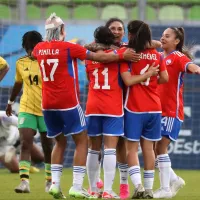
x=81 y=18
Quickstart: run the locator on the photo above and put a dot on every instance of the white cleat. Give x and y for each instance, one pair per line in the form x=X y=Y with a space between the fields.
x=162 y=194
x=138 y=192
x=176 y=185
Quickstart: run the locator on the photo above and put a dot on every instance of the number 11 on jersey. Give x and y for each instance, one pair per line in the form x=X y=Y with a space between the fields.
x=96 y=79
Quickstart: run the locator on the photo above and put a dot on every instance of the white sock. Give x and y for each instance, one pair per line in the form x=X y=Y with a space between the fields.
x=123 y=172
x=109 y=166
x=173 y=176
x=135 y=175
x=56 y=173
x=99 y=171
x=92 y=168
x=148 y=179
x=78 y=176
x=164 y=165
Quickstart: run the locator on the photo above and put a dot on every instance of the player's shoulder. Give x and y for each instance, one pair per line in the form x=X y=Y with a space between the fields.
x=178 y=54
x=23 y=58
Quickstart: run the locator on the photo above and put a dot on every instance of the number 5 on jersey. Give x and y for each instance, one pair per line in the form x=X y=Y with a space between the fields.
x=53 y=69
x=96 y=79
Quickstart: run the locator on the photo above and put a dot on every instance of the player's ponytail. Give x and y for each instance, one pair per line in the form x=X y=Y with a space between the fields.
x=139 y=35
x=180 y=34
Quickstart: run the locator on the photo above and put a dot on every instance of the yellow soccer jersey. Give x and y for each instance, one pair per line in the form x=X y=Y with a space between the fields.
x=28 y=73
x=3 y=63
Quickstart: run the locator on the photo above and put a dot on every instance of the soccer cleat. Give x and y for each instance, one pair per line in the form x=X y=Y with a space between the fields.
x=47 y=186
x=110 y=195
x=23 y=187
x=148 y=194
x=138 y=192
x=82 y=193
x=162 y=194
x=99 y=184
x=176 y=185
x=124 y=191
x=34 y=169
x=95 y=195
x=56 y=192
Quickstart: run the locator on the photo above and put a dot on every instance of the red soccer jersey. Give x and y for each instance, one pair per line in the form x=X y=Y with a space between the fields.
x=58 y=65
x=143 y=97
x=171 y=93
x=105 y=97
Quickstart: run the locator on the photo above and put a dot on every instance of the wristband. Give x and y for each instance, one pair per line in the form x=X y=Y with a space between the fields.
x=10 y=102
x=121 y=56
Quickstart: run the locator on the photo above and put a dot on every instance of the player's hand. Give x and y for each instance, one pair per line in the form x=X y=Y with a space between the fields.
x=131 y=55
x=9 y=110
x=153 y=71
x=198 y=71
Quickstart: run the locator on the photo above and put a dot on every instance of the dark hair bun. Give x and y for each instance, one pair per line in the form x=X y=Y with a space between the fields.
x=104 y=35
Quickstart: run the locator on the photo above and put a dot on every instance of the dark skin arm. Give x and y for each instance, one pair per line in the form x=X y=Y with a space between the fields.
x=15 y=91
x=4 y=71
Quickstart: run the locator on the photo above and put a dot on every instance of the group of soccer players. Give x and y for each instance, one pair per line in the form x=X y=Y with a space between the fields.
x=135 y=96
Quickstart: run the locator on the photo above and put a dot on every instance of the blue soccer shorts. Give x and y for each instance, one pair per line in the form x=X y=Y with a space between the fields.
x=67 y=122
x=170 y=127
x=145 y=125
x=103 y=125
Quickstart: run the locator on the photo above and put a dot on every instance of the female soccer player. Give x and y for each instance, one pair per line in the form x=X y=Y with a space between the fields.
x=104 y=111
x=178 y=62
x=142 y=108
x=62 y=111
x=30 y=118
x=4 y=68
x=117 y=28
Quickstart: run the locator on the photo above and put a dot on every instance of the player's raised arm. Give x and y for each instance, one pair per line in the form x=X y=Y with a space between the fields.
x=128 y=55
x=135 y=79
x=193 y=68
x=4 y=68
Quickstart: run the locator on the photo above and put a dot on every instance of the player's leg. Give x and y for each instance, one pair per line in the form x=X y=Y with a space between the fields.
x=133 y=124
x=94 y=131
x=74 y=123
x=37 y=155
x=123 y=168
x=47 y=146
x=170 y=130
x=54 y=124
x=151 y=133
x=12 y=165
x=27 y=129
x=99 y=182
x=112 y=129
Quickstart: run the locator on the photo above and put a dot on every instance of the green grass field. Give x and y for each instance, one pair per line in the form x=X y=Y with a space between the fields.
x=9 y=181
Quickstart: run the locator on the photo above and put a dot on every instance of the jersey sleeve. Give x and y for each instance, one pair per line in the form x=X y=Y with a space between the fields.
x=124 y=67
x=77 y=51
x=184 y=61
x=3 y=63
x=18 y=77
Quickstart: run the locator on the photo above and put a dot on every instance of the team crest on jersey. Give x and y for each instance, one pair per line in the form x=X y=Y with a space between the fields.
x=168 y=62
